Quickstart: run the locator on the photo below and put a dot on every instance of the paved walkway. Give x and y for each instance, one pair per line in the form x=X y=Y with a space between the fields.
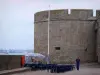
x=86 y=69
x=83 y=71
x=6 y=72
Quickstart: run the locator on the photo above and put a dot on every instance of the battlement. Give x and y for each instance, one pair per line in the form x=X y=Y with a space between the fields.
x=80 y=14
x=98 y=14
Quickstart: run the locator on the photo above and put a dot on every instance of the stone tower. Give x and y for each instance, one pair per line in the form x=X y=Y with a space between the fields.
x=98 y=34
x=71 y=35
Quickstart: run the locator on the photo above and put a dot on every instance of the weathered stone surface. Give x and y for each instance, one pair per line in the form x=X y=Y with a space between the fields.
x=74 y=33
x=98 y=35
x=9 y=62
x=63 y=15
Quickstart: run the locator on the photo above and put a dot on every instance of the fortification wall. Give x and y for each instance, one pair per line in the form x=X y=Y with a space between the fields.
x=72 y=33
x=9 y=62
x=98 y=34
x=63 y=15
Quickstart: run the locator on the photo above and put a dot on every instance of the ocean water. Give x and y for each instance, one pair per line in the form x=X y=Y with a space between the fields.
x=15 y=52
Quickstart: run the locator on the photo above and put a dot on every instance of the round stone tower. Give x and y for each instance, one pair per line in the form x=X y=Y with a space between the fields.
x=71 y=35
x=98 y=34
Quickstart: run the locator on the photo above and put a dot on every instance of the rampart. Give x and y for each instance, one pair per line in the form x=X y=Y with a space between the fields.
x=9 y=62
x=71 y=35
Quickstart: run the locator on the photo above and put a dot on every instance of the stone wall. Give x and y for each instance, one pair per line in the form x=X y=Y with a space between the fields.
x=9 y=62
x=73 y=33
x=98 y=34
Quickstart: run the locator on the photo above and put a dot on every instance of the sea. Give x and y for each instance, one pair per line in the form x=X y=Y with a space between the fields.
x=15 y=52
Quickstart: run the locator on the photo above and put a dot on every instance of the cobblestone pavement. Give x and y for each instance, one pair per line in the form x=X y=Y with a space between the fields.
x=84 y=70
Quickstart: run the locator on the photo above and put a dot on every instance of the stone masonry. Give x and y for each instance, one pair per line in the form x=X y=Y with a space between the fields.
x=8 y=62
x=71 y=35
x=98 y=34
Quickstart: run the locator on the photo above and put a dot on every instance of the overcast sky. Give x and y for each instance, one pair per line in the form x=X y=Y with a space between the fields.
x=17 y=19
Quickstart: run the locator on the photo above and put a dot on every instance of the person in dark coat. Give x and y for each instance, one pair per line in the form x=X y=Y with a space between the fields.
x=77 y=63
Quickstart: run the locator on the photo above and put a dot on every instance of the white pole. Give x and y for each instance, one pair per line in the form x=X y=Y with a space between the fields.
x=48 y=29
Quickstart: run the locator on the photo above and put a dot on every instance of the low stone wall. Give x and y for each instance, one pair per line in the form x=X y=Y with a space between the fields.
x=9 y=62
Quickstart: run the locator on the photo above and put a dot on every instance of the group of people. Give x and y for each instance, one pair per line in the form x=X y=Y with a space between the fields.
x=35 y=61
x=28 y=59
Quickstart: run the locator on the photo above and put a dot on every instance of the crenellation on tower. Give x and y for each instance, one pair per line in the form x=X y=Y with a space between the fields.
x=80 y=14
x=73 y=34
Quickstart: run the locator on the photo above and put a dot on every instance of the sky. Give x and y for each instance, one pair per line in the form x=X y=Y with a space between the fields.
x=17 y=19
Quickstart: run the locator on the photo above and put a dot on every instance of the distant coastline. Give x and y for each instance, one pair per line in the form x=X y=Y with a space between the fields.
x=14 y=52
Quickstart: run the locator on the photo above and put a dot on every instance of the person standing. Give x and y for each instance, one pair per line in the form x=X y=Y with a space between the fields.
x=77 y=63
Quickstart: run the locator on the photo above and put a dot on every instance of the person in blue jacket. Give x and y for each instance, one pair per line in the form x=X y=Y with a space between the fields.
x=77 y=63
